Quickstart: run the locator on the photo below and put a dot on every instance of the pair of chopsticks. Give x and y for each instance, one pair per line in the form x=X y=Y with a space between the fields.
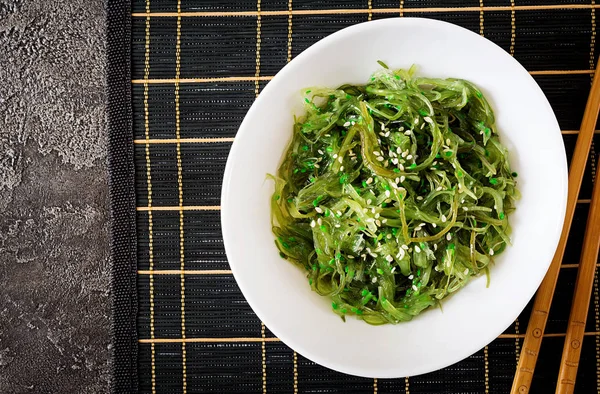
x=543 y=300
x=581 y=298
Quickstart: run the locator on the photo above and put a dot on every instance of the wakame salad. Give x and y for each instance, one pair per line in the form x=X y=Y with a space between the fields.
x=394 y=194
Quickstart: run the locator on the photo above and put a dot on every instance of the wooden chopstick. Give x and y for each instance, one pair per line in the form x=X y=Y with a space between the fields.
x=543 y=299
x=581 y=298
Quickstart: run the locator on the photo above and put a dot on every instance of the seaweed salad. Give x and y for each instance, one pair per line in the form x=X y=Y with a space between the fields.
x=394 y=194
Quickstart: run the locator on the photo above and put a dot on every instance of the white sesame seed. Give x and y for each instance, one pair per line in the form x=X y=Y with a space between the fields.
x=448 y=237
x=409 y=157
x=444 y=218
x=438 y=188
x=378 y=223
x=491 y=252
x=382 y=125
x=379 y=158
x=353 y=123
x=340 y=159
x=334 y=156
x=417 y=249
x=318 y=209
x=434 y=225
x=466 y=271
x=416 y=120
x=369 y=181
x=419 y=198
x=369 y=201
x=401 y=129
x=402 y=178
x=393 y=269
x=400 y=254
x=319 y=221
x=465 y=209
x=401 y=167
x=339 y=213
x=313 y=223
x=365 y=210
x=389 y=236
x=327 y=135
x=387 y=134
x=395 y=161
x=415 y=288
x=411 y=277
x=337 y=226
x=387 y=193
x=397 y=180
x=389 y=258
x=376 y=153
x=405 y=247
x=370 y=220
x=422 y=126
x=346 y=124
x=374 y=279
x=398 y=150
x=376 y=215
x=317 y=166
x=407 y=132
x=341 y=168
x=320 y=151
x=448 y=142
x=384 y=221
x=373 y=210
x=350 y=257
x=435 y=247
x=434 y=163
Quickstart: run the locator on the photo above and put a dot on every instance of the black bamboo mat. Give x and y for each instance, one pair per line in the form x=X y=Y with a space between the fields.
x=182 y=74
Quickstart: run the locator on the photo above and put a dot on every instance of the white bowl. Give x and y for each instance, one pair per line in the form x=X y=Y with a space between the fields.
x=279 y=292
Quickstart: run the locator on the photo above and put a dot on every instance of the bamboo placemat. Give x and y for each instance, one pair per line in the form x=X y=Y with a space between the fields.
x=191 y=72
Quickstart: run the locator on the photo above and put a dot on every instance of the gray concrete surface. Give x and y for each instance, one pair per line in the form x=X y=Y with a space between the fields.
x=54 y=260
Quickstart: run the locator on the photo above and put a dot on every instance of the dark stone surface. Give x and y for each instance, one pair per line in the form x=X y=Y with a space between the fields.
x=54 y=256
